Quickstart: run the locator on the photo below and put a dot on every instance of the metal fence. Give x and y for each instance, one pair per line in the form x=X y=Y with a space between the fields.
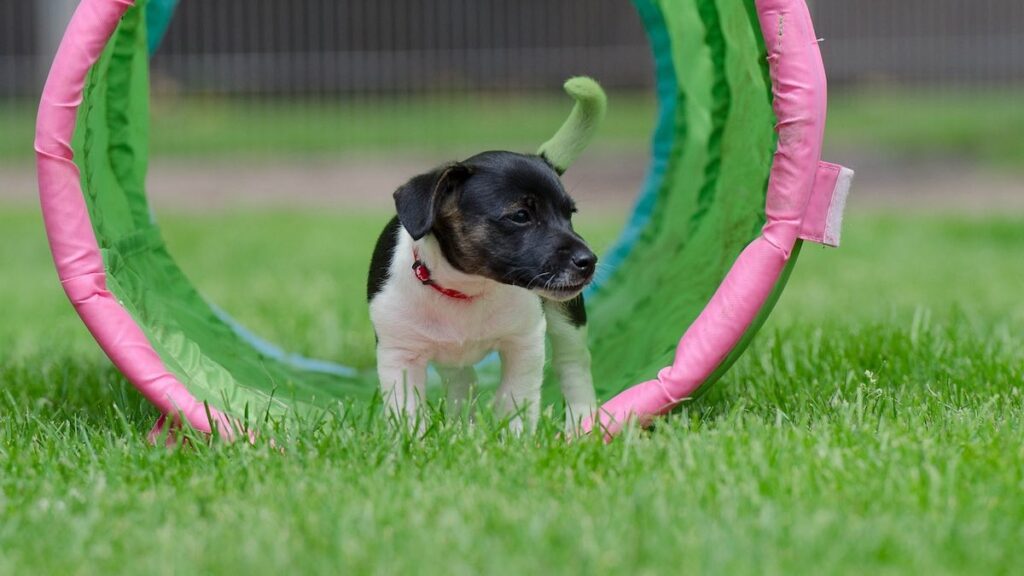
x=933 y=42
x=345 y=47
x=21 y=49
x=401 y=46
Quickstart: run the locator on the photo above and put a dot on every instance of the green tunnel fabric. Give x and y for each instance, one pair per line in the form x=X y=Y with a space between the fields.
x=206 y=354
x=709 y=203
x=704 y=202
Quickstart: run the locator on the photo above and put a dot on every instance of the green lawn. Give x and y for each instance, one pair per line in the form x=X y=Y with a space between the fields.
x=982 y=126
x=874 y=427
x=201 y=127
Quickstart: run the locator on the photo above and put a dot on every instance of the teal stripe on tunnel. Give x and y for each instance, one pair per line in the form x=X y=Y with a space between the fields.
x=664 y=140
x=158 y=18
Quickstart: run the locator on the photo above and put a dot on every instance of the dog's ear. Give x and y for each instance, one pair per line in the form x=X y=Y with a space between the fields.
x=419 y=200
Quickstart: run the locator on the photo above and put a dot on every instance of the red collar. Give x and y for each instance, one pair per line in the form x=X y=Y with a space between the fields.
x=423 y=275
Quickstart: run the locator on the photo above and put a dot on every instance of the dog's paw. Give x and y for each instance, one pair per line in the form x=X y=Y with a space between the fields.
x=522 y=425
x=516 y=426
x=575 y=415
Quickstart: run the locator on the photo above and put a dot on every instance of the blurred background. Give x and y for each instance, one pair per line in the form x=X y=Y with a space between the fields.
x=338 y=101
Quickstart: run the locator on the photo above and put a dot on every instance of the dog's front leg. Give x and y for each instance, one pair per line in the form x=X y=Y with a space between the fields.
x=403 y=383
x=522 y=373
x=570 y=358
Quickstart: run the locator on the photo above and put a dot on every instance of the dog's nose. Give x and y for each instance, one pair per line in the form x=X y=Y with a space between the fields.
x=585 y=261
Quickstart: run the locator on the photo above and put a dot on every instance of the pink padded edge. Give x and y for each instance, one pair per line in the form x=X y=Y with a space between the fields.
x=72 y=241
x=799 y=86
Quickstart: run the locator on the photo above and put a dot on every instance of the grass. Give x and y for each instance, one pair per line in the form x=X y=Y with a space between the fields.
x=873 y=427
x=197 y=128
x=981 y=126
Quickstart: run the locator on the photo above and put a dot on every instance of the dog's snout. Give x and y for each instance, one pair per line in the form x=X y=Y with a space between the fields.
x=585 y=261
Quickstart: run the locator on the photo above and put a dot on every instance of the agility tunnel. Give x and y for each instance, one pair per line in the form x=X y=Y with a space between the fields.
x=735 y=187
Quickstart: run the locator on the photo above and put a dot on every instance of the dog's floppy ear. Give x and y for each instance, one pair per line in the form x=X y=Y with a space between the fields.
x=418 y=201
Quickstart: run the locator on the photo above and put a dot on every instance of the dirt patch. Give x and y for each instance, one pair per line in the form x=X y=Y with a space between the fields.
x=353 y=182
x=932 y=185
x=600 y=183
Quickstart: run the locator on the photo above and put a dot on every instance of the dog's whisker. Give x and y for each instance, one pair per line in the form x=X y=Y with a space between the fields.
x=538 y=277
x=603 y=270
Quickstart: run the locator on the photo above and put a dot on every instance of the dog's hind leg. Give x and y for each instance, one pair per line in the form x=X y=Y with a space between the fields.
x=570 y=358
x=460 y=383
x=522 y=373
x=403 y=383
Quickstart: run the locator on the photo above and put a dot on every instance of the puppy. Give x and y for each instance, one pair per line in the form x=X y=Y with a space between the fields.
x=483 y=257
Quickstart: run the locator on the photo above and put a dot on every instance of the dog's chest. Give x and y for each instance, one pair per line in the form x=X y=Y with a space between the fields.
x=458 y=333
x=453 y=332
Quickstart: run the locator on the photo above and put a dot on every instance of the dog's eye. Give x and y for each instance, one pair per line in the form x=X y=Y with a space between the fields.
x=520 y=217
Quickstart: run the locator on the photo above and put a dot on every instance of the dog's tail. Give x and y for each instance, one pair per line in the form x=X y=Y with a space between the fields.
x=578 y=131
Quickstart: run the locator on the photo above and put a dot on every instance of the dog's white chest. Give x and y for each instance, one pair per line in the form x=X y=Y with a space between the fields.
x=453 y=332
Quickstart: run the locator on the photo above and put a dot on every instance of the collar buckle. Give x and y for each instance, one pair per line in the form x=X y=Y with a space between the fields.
x=422 y=273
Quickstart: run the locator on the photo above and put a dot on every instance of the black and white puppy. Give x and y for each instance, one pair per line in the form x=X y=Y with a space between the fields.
x=483 y=257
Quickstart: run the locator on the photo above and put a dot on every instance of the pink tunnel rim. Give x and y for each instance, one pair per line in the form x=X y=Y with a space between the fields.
x=73 y=243
x=799 y=88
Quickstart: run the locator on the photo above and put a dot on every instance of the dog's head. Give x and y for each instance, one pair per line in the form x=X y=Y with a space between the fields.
x=502 y=216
